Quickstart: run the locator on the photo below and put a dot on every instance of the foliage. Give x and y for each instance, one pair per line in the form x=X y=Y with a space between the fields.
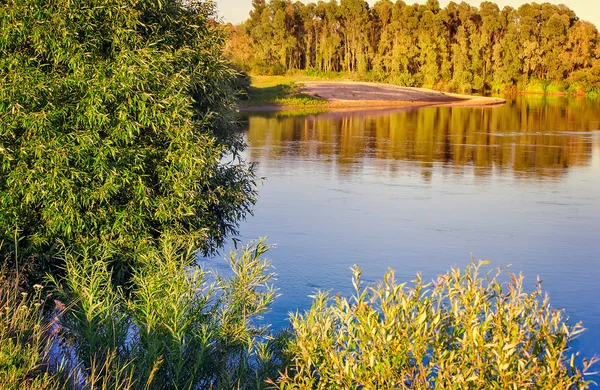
x=182 y=327
x=280 y=91
x=558 y=87
x=241 y=85
x=460 y=331
x=466 y=47
x=25 y=337
x=188 y=328
x=116 y=128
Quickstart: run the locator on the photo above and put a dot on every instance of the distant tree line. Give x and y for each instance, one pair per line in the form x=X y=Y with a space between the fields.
x=542 y=47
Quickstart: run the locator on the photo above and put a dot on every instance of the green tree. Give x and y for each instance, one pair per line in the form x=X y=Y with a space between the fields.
x=355 y=14
x=116 y=127
x=582 y=43
x=507 y=52
x=429 y=51
x=463 y=77
x=329 y=46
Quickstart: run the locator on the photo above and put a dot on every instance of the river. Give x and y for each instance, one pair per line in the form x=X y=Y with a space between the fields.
x=421 y=190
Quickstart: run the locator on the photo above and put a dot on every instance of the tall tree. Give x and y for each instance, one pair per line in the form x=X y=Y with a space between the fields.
x=115 y=121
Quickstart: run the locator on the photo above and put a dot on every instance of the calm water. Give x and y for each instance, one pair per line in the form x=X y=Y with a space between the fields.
x=420 y=190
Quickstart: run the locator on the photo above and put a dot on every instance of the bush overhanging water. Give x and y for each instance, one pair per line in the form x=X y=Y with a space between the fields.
x=462 y=330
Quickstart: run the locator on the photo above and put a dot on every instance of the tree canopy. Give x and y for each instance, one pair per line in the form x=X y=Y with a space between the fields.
x=466 y=47
x=116 y=127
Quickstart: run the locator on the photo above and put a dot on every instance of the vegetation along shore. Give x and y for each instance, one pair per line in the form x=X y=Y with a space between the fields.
x=121 y=163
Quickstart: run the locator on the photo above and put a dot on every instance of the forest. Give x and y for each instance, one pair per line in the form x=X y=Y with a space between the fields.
x=535 y=48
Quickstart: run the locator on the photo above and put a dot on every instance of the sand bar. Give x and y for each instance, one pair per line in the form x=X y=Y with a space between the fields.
x=355 y=94
x=361 y=94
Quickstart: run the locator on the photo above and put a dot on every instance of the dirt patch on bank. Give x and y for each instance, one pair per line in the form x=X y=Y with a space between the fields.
x=360 y=94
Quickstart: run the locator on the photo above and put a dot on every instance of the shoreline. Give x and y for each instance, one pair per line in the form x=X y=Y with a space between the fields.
x=330 y=95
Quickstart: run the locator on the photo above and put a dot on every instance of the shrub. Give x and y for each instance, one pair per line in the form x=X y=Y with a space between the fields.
x=116 y=127
x=182 y=327
x=593 y=93
x=557 y=87
x=534 y=85
x=404 y=79
x=460 y=331
x=577 y=88
x=241 y=85
x=497 y=87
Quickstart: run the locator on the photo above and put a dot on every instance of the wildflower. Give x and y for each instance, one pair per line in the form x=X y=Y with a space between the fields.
x=60 y=307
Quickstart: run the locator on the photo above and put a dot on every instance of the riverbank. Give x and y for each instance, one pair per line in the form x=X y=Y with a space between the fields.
x=274 y=93
x=364 y=94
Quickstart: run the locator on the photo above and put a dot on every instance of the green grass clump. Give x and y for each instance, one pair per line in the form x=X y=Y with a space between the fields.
x=462 y=331
x=301 y=112
x=280 y=91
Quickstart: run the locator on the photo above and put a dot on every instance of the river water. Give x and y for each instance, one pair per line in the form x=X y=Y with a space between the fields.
x=421 y=190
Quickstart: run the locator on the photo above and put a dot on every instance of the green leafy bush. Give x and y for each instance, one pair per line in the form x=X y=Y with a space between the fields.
x=557 y=87
x=241 y=85
x=188 y=328
x=404 y=79
x=182 y=327
x=116 y=127
x=593 y=93
x=534 y=85
x=461 y=331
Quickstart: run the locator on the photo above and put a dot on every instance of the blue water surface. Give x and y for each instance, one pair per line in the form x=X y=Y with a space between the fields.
x=422 y=190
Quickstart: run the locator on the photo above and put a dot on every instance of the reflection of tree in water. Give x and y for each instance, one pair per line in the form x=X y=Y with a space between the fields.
x=530 y=137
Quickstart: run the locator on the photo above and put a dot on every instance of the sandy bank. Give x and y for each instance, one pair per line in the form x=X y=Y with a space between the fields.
x=359 y=94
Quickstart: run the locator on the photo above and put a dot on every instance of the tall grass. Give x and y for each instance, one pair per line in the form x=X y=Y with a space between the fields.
x=281 y=92
x=25 y=336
